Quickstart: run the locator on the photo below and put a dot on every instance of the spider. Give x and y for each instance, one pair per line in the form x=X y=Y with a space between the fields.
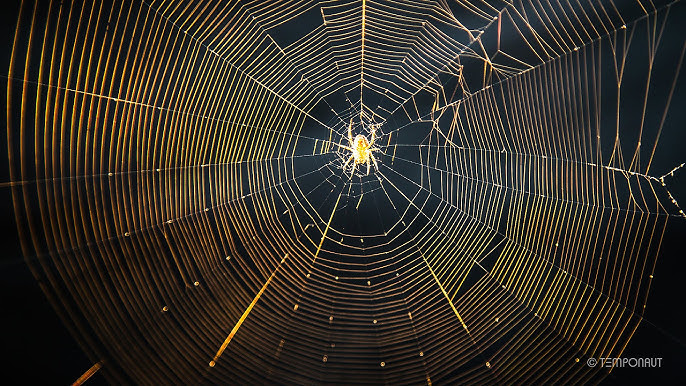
x=361 y=149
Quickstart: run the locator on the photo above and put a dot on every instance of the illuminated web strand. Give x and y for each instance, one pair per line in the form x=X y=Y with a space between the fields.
x=505 y=237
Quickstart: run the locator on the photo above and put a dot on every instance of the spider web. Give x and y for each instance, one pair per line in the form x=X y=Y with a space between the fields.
x=177 y=175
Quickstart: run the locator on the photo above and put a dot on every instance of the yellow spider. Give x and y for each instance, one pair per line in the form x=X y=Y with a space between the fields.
x=361 y=149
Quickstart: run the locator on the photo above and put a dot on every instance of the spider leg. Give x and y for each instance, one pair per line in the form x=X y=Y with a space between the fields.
x=345 y=165
x=369 y=165
x=376 y=166
x=373 y=136
x=350 y=132
x=353 y=171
